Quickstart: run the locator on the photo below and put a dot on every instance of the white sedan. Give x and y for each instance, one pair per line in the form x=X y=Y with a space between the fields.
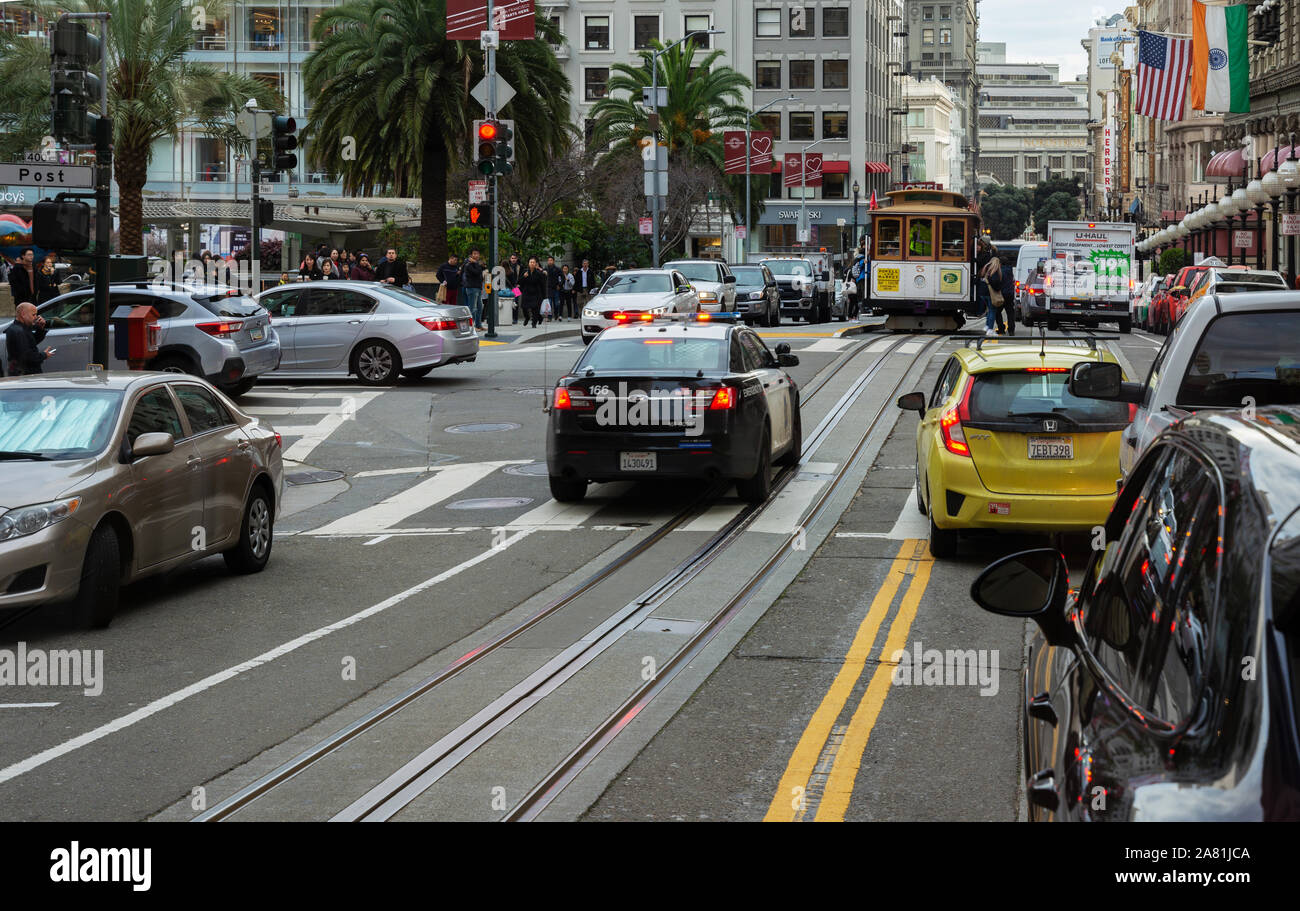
x=627 y=296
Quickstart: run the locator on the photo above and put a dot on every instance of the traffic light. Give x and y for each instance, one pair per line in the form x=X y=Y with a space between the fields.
x=283 y=142
x=496 y=155
x=265 y=211
x=476 y=214
x=75 y=90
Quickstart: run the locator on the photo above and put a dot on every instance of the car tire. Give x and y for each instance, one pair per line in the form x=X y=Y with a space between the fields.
x=95 y=603
x=567 y=489
x=756 y=489
x=243 y=387
x=795 y=452
x=586 y=339
x=943 y=541
x=376 y=363
x=1027 y=321
x=175 y=362
x=1125 y=326
x=1052 y=325
x=775 y=319
x=417 y=373
x=256 y=534
x=920 y=502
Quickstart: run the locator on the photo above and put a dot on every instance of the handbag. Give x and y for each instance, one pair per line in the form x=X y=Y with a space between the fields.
x=441 y=296
x=546 y=307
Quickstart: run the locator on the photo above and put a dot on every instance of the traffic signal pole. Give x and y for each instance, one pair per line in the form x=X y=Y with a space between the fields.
x=491 y=72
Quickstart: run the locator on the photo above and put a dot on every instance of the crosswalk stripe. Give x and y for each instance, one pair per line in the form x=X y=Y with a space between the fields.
x=312 y=436
x=715 y=517
x=829 y=344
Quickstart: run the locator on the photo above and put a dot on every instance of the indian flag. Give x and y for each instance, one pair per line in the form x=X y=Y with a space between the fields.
x=1220 y=65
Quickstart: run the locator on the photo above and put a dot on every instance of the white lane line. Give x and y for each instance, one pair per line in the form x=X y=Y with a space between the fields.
x=829 y=344
x=380 y=472
x=27 y=705
x=153 y=708
x=313 y=436
x=555 y=515
x=379 y=540
x=447 y=482
x=715 y=518
x=909 y=524
x=782 y=515
x=880 y=344
x=288 y=411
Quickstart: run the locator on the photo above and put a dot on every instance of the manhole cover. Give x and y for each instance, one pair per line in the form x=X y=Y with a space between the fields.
x=531 y=470
x=312 y=477
x=531 y=391
x=491 y=503
x=481 y=428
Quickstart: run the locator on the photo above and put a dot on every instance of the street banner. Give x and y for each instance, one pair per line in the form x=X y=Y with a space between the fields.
x=733 y=154
x=1220 y=58
x=812 y=169
x=514 y=19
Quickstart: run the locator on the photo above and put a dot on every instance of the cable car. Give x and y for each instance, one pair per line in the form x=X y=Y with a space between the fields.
x=923 y=260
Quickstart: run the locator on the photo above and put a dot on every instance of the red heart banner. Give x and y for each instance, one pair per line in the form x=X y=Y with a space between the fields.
x=733 y=152
x=812 y=169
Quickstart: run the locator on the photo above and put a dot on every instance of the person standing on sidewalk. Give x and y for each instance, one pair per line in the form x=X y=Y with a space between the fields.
x=583 y=283
x=513 y=270
x=361 y=271
x=472 y=286
x=566 y=292
x=532 y=288
x=448 y=276
x=392 y=272
x=553 y=286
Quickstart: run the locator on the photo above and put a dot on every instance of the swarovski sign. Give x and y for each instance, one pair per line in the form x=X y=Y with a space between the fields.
x=793 y=214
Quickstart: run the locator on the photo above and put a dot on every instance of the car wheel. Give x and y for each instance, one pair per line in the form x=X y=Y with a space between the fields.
x=795 y=452
x=1052 y=325
x=256 y=531
x=174 y=362
x=417 y=373
x=1027 y=321
x=844 y=314
x=95 y=603
x=775 y=319
x=568 y=490
x=943 y=541
x=586 y=339
x=240 y=388
x=757 y=488
x=376 y=363
x=920 y=503
x=1125 y=326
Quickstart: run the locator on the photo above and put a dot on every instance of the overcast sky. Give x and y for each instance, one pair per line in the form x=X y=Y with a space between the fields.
x=1032 y=37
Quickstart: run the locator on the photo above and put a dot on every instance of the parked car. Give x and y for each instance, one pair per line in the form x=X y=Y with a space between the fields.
x=758 y=298
x=635 y=293
x=841 y=308
x=1162 y=305
x=712 y=280
x=364 y=329
x=212 y=331
x=1030 y=254
x=806 y=291
x=1230 y=352
x=1032 y=300
x=114 y=476
x=1181 y=290
x=1145 y=300
x=1236 y=280
x=1138 y=705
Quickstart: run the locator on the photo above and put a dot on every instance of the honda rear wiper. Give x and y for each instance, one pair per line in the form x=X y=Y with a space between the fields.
x=15 y=455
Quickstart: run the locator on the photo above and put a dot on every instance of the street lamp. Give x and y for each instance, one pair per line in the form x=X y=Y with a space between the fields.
x=1290 y=174
x=1259 y=198
x=856 y=190
x=654 y=107
x=744 y=248
x=1227 y=210
x=803 y=183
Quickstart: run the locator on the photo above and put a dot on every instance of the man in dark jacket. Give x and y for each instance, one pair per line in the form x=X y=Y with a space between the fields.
x=584 y=283
x=448 y=276
x=391 y=271
x=25 y=280
x=513 y=270
x=1008 y=306
x=553 y=283
x=471 y=291
x=22 y=337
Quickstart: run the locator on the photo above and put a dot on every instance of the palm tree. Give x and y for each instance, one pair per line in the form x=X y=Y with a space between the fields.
x=391 y=104
x=153 y=89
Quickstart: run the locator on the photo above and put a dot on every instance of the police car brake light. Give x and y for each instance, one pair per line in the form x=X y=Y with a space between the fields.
x=723 y=400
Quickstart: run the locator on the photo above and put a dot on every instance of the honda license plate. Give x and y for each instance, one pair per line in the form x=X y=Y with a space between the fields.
x=1051 y=447
x=257 y=333
x=637 y=461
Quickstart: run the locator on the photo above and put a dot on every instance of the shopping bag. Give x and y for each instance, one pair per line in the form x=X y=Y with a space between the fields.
x=546 y=308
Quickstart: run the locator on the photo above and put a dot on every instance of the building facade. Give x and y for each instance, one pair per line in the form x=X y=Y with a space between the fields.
x=942 y=43
x=928 y=129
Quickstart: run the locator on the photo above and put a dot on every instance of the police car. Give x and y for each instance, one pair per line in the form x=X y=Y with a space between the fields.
x=699 y=397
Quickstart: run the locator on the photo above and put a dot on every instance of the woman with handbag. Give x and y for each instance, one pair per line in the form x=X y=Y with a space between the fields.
x=990 y=274
x=532 y=288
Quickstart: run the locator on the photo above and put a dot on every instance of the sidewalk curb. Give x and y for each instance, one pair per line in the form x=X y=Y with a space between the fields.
x=550 y=336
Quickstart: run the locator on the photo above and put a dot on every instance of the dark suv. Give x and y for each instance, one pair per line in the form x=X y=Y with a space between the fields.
x=1165 y=686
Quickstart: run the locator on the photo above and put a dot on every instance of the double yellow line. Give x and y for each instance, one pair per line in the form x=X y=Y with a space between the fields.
x=913 y=560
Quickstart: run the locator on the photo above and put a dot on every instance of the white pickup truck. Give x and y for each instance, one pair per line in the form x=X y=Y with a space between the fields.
x=1229 y=351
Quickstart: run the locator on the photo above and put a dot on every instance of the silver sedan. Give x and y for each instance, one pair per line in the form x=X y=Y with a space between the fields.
x=364 y=329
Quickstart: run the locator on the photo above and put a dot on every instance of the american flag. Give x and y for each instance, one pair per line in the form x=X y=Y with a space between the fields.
x=1163 y=67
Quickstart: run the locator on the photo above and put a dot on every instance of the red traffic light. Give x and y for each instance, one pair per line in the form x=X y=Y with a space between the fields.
x=475 y=215
x=487 y=131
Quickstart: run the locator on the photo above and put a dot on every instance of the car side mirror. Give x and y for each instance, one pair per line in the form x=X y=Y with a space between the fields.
x=147 y=444
x=787 y=360
x=682 y=289
x=912 y=401
x=1032 y=584
x=728 y=279
x=783 y=348
x=1102 y=380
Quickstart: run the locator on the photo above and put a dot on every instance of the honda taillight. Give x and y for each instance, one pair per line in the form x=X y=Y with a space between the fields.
x=723 y=400
x=954 y=437
x=436 y=324
x=221 y=329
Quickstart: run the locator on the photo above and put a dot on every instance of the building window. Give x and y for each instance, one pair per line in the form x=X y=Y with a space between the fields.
x=771 y=122
x=775 y=187
x=595 y=83
x=927 y=36
x=916 y=118
x=273 y=81
x=835 y=125
x=945 y=12
x=588 y=129
x=555 y=24
x=835 y=74
x=929 y=12
x=801 y=21
x=945 y=36
x=1080 y=162
x=698 y=24
x=767 y=74
x=916 y=166
x=801 y=74
x=833 y=186
x=1056 y=162
x=210 y=158
x=595 y=33
x=767 y=23
x=1031 y=164
x=801 y=125
x=835 y=22
x=645 y=29
x=265 y=31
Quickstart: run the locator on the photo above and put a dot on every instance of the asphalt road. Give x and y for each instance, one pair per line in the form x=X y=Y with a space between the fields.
x=438 y=537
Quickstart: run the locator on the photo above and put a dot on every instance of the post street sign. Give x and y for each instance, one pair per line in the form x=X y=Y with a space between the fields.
x=63 y=176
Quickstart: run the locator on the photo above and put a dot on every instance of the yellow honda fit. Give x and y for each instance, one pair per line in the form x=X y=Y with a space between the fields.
x=1003 y=445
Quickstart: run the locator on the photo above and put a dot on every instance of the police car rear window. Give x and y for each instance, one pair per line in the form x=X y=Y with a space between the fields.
x=1243 y=356
x=653 y=351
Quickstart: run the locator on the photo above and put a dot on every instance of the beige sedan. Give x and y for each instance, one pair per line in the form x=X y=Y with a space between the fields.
x=111 y=477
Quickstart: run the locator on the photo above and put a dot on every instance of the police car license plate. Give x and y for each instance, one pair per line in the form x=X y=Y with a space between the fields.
x=637 y=461
x=257 y=333
x=1051 y=447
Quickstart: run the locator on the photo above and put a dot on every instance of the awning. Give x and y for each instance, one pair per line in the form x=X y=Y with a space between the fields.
x=1283 y=153
x=878 y=167
x=1226 y=164
x=835 y=167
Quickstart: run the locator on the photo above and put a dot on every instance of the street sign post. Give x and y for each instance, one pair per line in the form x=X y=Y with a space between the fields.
x=31 y=174
x=480 y=93
x=1290 y=224
x=478 y=191
x=645 y=226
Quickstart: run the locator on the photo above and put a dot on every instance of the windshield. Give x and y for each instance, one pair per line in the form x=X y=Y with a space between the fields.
x=748 y=276
x=705 y=272
x=654 y=352
x=637 y=283
x=228 y=305
x=57 y=423
x=787 y=267
x=1020 y=395
x=1245 y=354
x=1236 y=287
